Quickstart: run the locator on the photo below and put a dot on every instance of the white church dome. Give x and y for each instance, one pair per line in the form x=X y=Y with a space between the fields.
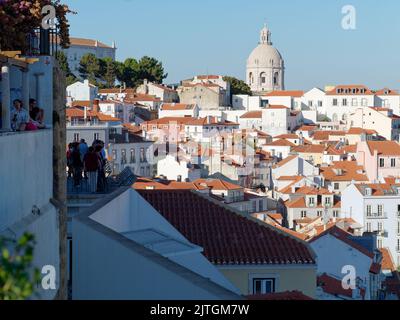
x=265 y=66
x=264 y=56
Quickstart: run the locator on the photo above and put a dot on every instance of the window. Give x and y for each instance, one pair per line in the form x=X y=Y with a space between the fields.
x=327 y=200
x=368 y=226
x=381 y=162
x=142 y=155
x=354 y=102
x=319 y=103
x=344 y=102
x=179 y=178
x=380 y=244
x=133 y=156
x=304 y=214
x=123 y=156
x=393 y=162
x=364 y=102
x=96 y=136
x=336 y=185
x=311 y=200
x=334 y=102
x=310 y=103
x=380 y=209
x=369 y=210
x=319 y=213
x=114 y=153
x=335 y=213
x=76 y=137
x=263 y=286
x=380 y=226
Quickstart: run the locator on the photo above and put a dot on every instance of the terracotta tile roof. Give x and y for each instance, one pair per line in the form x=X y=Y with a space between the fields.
x=348 y=90
x=344 y=171
x=147 y=184
x=307 y=128
x=79 y=113
x=287 y=136
x=386 y=92
x=281 y=142
x=312 y=148
x=375 y=268
x=285 y=93
x=352 y=148
x=288 y=178
x=137 y=97
x=333 y=286
x=344 y=237
x=226 y=236
x=324 y=135
x=359 y=131
x=86 y=42
x=252 y=115
x=300 y=203
x=385 y=148
x=280 y=296
x=132 y=128
x=217 y=184
x=293 y=233
x=81 y=103
x=378 y=189
x=177 y=106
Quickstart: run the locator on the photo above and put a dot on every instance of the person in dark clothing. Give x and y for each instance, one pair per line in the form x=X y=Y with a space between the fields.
x=101 y=183
x=77 y=165
x=91 y=164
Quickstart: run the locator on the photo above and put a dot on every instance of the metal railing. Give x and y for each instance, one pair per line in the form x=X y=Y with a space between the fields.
x=377 y=215
x=43 y=42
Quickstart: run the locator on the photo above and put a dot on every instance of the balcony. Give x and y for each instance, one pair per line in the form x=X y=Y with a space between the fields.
x=377 y=215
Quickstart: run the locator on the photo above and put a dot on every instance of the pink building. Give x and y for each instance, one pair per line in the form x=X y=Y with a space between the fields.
x=380 y=159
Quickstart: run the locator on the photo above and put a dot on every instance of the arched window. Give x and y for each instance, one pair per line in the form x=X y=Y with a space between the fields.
x=263 y=78
x=276 y=75
x=251 y=77
x=334 y=117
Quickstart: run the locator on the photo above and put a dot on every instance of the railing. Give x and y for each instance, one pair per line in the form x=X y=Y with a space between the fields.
x=377 y=215
x=43 y=42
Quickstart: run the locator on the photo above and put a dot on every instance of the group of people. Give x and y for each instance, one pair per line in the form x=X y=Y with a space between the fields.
x=22 y=120
x=86 y=162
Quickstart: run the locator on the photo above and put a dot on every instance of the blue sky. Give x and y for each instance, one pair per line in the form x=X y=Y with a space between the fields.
x=216 y=36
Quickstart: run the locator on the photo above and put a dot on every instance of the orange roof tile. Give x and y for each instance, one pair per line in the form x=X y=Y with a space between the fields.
x=177 y=106
x=348 y=90
x=281 y=142
x=385 y=148
x=387 y=260
x=252 y=115
x=285 y=93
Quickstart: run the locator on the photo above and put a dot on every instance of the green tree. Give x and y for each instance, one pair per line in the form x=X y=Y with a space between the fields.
x=17 y=280
x=89 y=68
x=127 y=72
x=150 y=69
x=237 y=86
x=108 y=71
x=63 y=62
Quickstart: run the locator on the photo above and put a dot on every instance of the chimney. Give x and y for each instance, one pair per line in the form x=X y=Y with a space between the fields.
x=96 y=105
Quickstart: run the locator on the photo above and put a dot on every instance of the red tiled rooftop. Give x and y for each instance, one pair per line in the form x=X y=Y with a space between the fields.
x=226 y=236
x=282 y=296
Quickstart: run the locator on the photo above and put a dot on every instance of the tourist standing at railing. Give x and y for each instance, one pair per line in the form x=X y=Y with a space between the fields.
x=91 y=164
x=83 y=149
x=19 y=116
x=77 y=165
x=101 y=183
